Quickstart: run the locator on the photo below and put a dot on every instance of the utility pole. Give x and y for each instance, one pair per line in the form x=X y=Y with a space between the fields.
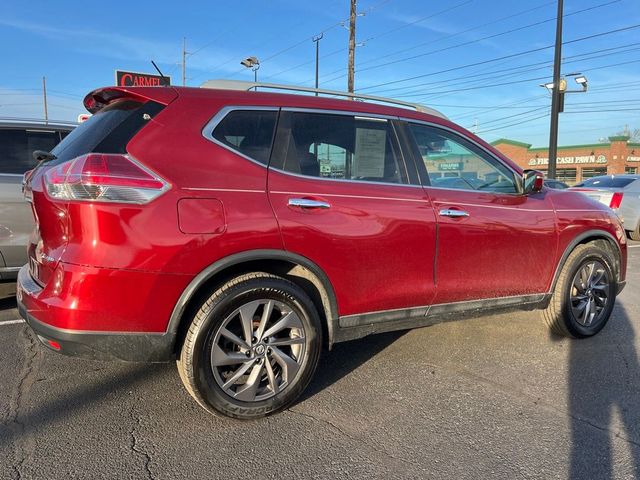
x=316 y=40
x=184 y=61
x=352 y=45
x=44 y=97
x=556 y=96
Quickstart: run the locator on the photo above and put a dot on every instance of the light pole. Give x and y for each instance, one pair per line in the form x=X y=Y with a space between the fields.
x=556 y=96
x=316 y=40
x=254 y=64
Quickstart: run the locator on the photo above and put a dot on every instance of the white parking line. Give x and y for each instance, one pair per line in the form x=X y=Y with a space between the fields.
x=633 y=246
x=11 y=322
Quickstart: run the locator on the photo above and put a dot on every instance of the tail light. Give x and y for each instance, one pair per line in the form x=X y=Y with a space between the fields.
x=616 y=200
x=26 y=185
x=104 y=177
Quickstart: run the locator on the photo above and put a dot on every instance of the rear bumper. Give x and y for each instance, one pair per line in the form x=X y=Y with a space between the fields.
x=36 y=307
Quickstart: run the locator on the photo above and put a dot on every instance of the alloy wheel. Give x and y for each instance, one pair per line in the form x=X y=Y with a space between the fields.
x=258 y=350
x=589 y=293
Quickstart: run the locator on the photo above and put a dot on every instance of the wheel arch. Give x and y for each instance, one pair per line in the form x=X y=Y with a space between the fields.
x=296 y=268
x=589 y=236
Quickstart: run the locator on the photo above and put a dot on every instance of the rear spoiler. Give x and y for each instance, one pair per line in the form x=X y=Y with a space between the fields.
x=101 y=97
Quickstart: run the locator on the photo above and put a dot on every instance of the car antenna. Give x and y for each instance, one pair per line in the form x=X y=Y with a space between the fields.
x=156 y=67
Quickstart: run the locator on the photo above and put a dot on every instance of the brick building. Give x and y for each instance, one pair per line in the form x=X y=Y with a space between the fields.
x=577 y=162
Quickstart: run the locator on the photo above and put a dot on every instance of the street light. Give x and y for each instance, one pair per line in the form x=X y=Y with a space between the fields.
x=254 y=64
x=557 y=106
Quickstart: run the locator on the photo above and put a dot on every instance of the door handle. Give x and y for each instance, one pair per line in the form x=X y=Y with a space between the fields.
x=307 y=203
x=447 y=212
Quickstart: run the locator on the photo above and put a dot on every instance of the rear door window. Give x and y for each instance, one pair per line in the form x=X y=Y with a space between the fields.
x=18 y=144
x=336 y=146
x=249 y=132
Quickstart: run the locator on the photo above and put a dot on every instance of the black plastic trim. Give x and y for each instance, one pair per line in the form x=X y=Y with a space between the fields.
x=602 y=234
x=328 y=296
x=130 y=347
x=358 y=326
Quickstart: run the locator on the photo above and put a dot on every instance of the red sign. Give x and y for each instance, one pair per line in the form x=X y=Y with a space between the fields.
x=135 y=79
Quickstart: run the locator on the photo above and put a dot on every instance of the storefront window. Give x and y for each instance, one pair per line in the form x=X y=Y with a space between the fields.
x=593 y=172
x=633 y=170
x=566 y=175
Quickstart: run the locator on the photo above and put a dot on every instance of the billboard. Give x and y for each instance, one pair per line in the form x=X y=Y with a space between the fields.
x=136 y=79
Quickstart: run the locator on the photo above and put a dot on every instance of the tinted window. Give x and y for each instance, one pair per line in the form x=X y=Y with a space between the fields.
x=338 y=146
x=606 y=182
x=108 y=131
x=250 y=132
x=17 y=146
x=453 y=162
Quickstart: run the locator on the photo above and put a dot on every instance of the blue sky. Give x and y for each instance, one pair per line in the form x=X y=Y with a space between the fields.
x=77 y=46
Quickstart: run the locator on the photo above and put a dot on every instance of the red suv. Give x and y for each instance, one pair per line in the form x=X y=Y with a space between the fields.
x=242 y=231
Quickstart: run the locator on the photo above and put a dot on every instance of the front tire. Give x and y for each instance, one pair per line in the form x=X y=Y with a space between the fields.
x=252 y=347
x=584 y=294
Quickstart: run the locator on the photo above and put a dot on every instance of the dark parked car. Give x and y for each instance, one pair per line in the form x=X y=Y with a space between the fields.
x=557 y=184
x=18 y=139
x=241 y=231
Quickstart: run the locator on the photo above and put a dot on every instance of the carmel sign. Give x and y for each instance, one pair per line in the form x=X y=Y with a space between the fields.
x=570 y=160
x=135 y=79
x=633 y=159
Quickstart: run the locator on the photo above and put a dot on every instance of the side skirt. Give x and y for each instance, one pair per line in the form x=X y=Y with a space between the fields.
x=357 y=326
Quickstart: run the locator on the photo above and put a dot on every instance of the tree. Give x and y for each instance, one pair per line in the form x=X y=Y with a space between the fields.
x=633 y=134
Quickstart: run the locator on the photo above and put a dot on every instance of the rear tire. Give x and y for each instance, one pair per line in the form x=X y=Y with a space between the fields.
x=584 y=295
x=252 y=347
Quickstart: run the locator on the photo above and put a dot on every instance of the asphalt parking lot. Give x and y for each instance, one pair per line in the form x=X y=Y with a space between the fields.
x=496 y=396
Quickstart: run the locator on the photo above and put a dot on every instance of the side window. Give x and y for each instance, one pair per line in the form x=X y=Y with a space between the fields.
x=249 y=132
x=452 y=162
x=338 y=146
x=17 y=146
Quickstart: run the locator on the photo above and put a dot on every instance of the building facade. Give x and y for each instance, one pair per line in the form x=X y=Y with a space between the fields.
x=577 y=162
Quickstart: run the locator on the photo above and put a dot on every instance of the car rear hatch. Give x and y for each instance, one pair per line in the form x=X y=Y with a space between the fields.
x=601 y=195
x=119 y=114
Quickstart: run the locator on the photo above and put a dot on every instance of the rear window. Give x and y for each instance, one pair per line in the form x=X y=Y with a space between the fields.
x=249 y=132
x=108 y=131
x=18 y=144
x=606 y=182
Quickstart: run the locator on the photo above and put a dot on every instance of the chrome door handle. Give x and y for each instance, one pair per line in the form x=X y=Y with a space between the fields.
x=306 y=203
x=447 y=212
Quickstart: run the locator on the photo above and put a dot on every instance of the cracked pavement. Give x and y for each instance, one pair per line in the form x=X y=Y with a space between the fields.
x=496 y=396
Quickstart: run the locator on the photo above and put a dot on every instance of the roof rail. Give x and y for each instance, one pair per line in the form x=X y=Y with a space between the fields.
x=246 y=86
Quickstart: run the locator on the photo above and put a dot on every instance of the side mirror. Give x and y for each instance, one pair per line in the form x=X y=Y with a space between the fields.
x=532 y=181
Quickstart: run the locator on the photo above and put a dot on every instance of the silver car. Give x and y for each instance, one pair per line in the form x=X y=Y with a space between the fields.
x=621 y=193
x=18 y=139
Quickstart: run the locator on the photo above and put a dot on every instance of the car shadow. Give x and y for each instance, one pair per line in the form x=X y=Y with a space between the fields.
x=344 y=358
x=604 y=400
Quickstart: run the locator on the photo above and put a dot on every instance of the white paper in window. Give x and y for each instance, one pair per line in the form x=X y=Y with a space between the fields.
x=368 y=160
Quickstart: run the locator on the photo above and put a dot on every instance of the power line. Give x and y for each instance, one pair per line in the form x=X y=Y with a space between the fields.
x=443 y=38
x=375 y=37
x=516 y=115
x=482 y=86
x=484 y=62
x=488 y=37
x=588 y=56
x=501 y=127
